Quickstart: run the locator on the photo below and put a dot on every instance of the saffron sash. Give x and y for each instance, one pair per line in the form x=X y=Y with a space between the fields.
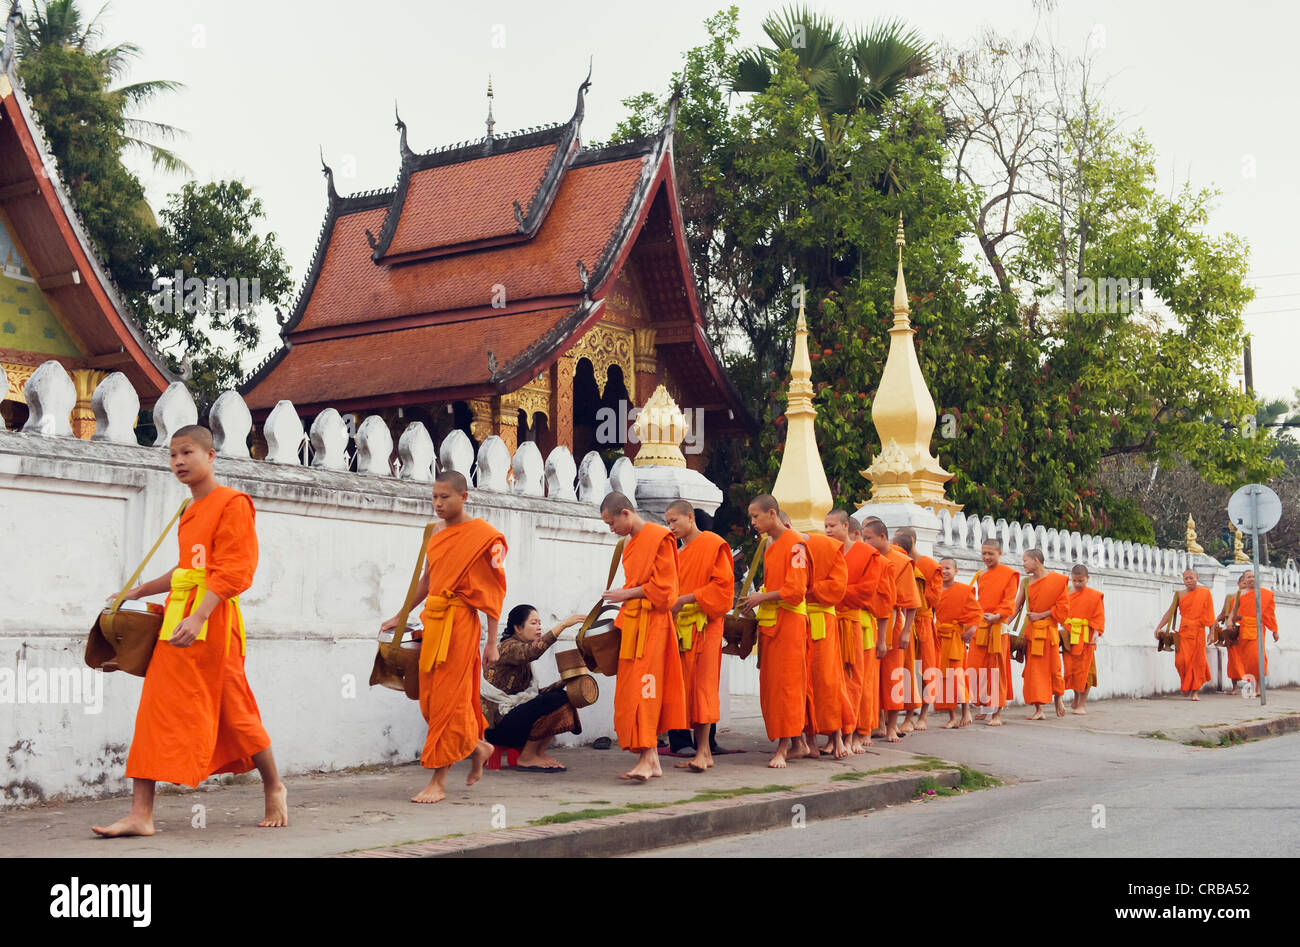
x=817 y=617
x=690 y=618
x=188 y=588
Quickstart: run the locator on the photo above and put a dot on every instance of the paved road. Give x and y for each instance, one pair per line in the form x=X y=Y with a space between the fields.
x=1160 y=799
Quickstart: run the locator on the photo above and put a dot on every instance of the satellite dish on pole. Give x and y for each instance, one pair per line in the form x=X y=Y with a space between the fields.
x=1255 y=507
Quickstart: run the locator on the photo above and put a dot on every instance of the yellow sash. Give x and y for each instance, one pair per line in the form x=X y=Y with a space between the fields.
x=439 y=616
x=992 y=641
x=1040 y=632
x=690 y=618
x=817 y=616
x=183 y=582
x=766 y=611
x=635 y=615
x=869 y=626
x=953 y=649
x=1079 y=631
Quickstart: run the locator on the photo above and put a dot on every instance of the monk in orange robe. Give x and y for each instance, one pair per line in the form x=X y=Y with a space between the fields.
x=1195 y=616
x=1079 y=635
x=1247 y=646
x=782 y=628
x=197 y=716
x=464 y=574
x=896 y=678
x=1046 y=598
x=706 y=579
x=840 y=526
x=649 y=695
x=871 y=591
x=827 y=582
x=988 y=662
x=924 y=657
x=956 y=615
x=1228 y=619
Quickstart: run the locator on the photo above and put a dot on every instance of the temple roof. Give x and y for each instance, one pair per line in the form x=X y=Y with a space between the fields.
x=482 y=266
x=60 y=256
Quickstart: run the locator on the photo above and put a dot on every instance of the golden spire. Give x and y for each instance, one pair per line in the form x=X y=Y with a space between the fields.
x=904 y=415
x=1193 y=546
x=801 y=486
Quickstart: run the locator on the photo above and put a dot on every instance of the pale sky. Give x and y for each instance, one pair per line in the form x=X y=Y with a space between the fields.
x=270 y=81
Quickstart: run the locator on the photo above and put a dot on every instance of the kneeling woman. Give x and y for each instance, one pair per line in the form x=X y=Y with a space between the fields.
x=519 y=716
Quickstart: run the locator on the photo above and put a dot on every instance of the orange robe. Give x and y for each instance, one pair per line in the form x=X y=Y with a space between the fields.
x=988 y=661
x=1195 y=615
x=705 y=570
x=783 y=638
x=197 y=716
x=929 y=582
x=830 y=577
x=467 y=575
x=1042 y=676
x=1235 y=673
x=1087 y=620
x=1247 y=646
x=897 y=676
x=956 y=610
x=649 y=695
x=857 y=594
x=873 y=592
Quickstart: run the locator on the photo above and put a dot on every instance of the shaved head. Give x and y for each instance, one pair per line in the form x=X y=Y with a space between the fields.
x=765 y=502
x=1080 y=569
x=615 y=503
x=840 y=516
x=196 y=433
x=874 y=526
x=1036 y=554
x=993 y=541
x=681 y=508
x=904 y=539
x=453 y=479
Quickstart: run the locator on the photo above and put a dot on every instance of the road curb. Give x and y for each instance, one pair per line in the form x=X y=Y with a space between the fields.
x=677 y=824
x=1259 y=730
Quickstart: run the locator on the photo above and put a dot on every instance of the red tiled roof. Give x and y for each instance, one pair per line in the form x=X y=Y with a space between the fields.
x=588 y=209
x=472 y=200
x=446 y=356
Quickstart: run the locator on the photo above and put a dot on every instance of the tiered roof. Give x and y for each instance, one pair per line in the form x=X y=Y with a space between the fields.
x=482 y=265
x=61 y=258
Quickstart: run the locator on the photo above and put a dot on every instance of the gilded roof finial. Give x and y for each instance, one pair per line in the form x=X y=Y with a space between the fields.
x=491 y=122
x=901 y=320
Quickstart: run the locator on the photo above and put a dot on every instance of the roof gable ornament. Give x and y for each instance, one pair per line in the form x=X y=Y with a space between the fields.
x=329 y=177
x=580 y=108
x=400 y=125
x=11 y=32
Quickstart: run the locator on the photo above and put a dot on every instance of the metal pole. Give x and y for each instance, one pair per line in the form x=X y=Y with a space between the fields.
x=1259 y=595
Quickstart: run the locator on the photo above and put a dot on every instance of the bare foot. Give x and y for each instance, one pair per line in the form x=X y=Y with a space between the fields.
x=430 y=793
x=124 y=828
x=893 y=737
x=980 y=716
x=921 y=725
x=797 y=751
x=860 y=747
x=1196 y=697
x=476 y=761
x=951 y=724
x=877 y=733
x=277 y=807
x=841 y=751
x=907 y=726
x=778 y=760
x=994 y=721
x=1060 y=707
x=1036 y=715
x=1080 y=711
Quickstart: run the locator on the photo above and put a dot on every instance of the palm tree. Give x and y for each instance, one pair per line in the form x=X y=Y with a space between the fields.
x=854 y=72
x=61 y=23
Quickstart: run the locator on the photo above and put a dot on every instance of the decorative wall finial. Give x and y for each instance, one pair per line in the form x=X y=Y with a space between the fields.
x=491 y=122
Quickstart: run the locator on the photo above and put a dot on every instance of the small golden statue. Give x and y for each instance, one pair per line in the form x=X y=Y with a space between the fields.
x=1193 y=547
x=1238 y=552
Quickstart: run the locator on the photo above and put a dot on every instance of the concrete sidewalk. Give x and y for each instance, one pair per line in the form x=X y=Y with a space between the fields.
x=336 y=813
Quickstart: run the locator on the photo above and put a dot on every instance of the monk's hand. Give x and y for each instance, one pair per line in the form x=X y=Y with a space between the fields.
x=992 y=617
x=389 y=627
x=968 y=636
x=677 y=605
x=752 y=601
x=187 y=632
x=1275 y=637
x=491 y=655
x=616 y=596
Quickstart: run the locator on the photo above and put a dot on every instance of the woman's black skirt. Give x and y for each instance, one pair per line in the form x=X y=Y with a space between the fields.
x=517 y=727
